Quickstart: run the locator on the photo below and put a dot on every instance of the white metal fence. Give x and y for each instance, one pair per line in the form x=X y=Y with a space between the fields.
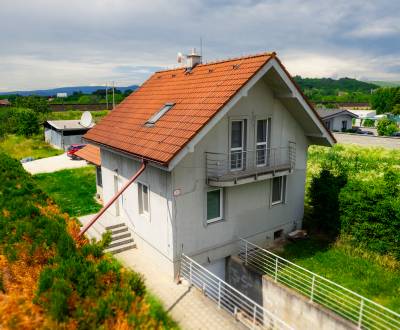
x=365 y=313
x=245 y=310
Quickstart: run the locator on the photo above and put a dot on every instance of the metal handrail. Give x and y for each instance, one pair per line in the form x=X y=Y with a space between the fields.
x=362 y=311
x=245 y=310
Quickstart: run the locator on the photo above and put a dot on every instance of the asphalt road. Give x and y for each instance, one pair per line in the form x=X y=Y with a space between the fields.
x=52 y=164
x=368 y=140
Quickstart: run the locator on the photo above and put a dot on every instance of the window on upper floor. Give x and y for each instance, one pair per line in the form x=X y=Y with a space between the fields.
x=143 y=198
x=278 y=193
x=214 y=205
x=263 y=129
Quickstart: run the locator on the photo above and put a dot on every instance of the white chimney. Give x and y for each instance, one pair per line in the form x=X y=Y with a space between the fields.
x=192 y=59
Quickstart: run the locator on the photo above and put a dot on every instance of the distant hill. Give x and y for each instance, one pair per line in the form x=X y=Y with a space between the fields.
x=68 y=90
x=330 y=85
x=386 y=83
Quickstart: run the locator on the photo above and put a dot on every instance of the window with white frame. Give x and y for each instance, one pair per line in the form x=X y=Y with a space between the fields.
x=214 y=205
x=278 y=190
x=263 y=129
x=143 y=196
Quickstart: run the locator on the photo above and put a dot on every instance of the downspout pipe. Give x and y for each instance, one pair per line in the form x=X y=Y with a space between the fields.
x=112 y=200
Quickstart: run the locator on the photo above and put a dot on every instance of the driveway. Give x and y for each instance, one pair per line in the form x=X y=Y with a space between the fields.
x=52 y=164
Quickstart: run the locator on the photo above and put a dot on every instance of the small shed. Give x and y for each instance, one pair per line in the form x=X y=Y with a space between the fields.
x=5 y=103
x=91 y=154
x=338 y=120
x=62 y=133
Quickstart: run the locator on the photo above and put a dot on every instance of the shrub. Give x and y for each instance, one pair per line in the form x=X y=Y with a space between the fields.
x=368 y=122
x=324 y=199
x=370 y=213
x=27 y=122
x=386 y=127
x=36 y=103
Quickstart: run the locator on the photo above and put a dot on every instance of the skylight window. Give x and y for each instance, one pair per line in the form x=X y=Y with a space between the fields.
x=153 y=119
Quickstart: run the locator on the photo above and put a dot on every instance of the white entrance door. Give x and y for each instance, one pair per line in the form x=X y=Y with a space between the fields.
x=262 y=142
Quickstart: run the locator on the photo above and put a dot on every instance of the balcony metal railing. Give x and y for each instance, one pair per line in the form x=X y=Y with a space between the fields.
x=247 y=163
x=245 y=310
x=365 y=313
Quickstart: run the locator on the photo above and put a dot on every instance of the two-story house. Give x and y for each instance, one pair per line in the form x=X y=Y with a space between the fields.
x=226 y=148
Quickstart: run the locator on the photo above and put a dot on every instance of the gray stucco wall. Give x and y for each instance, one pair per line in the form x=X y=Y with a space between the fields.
x=336 y=122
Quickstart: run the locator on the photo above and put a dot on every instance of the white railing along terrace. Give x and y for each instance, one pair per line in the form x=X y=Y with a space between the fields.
x=245 y=310
x=365 y=313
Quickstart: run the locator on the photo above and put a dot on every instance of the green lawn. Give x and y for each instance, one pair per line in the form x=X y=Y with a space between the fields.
x=19 y=147
x=73 y=190
x=71 y=114
x=355 y=272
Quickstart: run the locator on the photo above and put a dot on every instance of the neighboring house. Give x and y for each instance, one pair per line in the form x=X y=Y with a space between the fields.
x=226 y=151
x=337 y=120
x=5 y=103
x=91 y=154
x=62 y=133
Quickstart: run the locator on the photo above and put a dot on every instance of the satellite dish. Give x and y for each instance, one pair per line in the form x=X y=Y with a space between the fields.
x=86 y=119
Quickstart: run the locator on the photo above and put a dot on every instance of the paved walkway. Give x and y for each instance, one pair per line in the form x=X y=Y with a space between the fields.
x=52 y=164
x=187 y=305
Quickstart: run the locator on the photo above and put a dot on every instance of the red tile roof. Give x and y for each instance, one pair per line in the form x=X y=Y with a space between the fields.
x=90 y=153
x=197 y=95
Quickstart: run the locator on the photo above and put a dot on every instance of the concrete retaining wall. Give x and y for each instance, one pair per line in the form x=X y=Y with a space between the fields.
x=297 y=311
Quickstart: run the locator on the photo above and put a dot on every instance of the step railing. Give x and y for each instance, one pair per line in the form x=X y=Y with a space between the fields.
x=245 y=310
x=365 y=313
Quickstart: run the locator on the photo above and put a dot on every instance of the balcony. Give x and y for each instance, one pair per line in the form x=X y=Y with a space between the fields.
x=245 y=166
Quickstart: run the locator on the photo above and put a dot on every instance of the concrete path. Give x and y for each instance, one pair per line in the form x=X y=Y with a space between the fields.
x=187 y=305
x=52 y=164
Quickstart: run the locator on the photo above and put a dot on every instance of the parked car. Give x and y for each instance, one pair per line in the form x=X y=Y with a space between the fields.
x=73 y=148
x=396 y=134
x=27 y=159
x=358 y=130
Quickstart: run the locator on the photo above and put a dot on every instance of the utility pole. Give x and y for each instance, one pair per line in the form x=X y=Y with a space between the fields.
x=113 y=95
x=107 y=95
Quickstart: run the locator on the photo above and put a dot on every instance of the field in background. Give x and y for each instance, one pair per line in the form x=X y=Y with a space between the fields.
x=20 y=147
x=69 y=115
x=73 y=190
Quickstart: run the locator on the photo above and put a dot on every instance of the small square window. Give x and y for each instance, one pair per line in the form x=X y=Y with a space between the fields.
x=214 y=205
x=278 y=190
x=278 y=234
x=143 y=198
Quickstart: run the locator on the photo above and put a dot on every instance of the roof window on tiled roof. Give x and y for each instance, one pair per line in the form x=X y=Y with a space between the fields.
x=153 y=119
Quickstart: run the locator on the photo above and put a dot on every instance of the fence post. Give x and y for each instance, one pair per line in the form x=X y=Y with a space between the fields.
x=276 y=269
x=361 y=313
x=254 y=316
x=204 y=288
x=219 y=294
x=190 y=272
x=312 y=288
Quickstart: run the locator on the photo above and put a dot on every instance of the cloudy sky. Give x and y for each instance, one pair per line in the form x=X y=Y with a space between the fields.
x=53 y=43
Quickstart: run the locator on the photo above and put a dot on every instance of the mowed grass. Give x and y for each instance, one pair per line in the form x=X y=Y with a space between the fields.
x=20 y=147
x=73 y=190
x=343 y=265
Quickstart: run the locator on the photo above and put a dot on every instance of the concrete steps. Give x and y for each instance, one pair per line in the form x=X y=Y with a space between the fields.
x=121 y=239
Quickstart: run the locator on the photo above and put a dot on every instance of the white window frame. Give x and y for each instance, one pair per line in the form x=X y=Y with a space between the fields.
x=141 y=200
x=242 y=148
x=221 y=206
x=266 y=143
x=282 y=200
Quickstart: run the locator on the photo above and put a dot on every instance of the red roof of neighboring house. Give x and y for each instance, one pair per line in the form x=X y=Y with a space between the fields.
x=90 y=153
x=5 y=102
x=197 y=96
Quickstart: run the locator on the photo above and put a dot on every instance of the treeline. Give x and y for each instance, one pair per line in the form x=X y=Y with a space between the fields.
x=386 y=99
x=335 y=90
x=98 y=96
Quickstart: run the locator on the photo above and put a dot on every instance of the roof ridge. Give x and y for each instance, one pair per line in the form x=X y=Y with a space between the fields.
x=230 y=59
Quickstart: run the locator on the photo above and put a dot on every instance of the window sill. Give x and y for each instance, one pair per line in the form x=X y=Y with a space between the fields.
x=211 y=222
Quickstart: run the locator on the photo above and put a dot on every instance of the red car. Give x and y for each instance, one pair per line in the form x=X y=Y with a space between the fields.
x=73 y=148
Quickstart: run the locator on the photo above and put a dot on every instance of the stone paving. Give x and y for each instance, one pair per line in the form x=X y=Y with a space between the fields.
x=187 y=305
